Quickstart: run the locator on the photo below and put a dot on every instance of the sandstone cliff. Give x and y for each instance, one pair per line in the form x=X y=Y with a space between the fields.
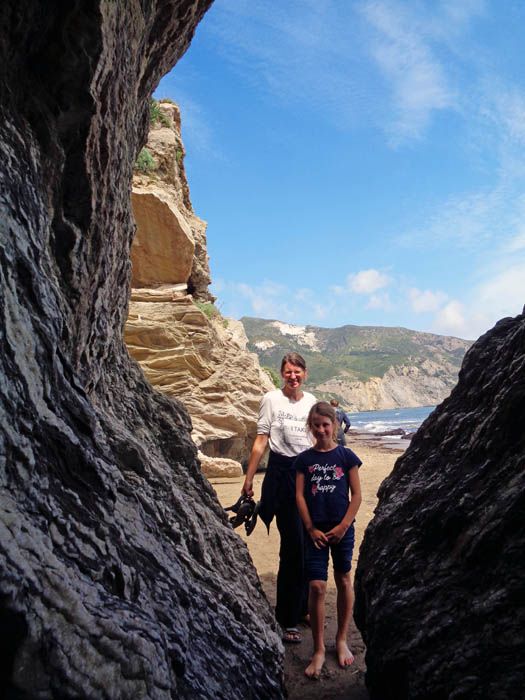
x=170 y=241
x=119 y=571
x=199 y=358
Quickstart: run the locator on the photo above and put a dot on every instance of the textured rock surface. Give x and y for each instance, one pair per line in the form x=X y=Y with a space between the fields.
x=441 y=574
x=199 y=360
x=118 y=570
x=163 y=247
x=168 y=186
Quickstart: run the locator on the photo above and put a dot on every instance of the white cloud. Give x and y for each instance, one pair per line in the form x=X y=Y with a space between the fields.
x=503 y=293
x=422 y=301
x=380 y=301
x=451 y=318
x=367 y=281
x=468 y=221
x=458 y=320
x=266 y=300
x=509 y=109
x=500 y=294
x=416 y=77
x=517 y=242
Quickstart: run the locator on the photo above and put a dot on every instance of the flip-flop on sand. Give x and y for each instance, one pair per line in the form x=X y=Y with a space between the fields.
x=291 y=635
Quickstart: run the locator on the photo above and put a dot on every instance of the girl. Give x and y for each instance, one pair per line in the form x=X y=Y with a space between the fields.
x=325 y=474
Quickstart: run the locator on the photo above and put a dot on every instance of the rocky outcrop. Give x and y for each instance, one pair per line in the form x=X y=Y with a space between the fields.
x=440 y=579
x=119 y=571
x=199 y=358
x=400 y=387
x=204 y=363
x=170 y=242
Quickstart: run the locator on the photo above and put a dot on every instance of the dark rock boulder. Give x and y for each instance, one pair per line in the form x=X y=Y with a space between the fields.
x=440 y=582
x=119 y=574
x=395 y=431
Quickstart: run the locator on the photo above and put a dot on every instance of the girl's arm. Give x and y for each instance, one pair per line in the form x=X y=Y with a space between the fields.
x=259 y=445
x=318 y=538
x=337 y=533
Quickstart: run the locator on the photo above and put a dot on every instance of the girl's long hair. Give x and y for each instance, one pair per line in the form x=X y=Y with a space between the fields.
x=323 y=408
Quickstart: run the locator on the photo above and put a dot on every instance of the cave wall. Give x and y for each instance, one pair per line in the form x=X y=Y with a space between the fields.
x=118 y=570
x=440 y=580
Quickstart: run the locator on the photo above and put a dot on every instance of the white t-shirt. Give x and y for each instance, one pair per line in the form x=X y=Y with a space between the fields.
x=284 y=421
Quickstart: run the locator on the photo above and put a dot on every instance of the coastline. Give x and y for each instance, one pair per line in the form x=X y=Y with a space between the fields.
x=378 y=461
x=397 y=443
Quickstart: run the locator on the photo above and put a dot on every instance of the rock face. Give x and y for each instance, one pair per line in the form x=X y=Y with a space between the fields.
x=441 y=574
x=118 y=570
x=400 y=387
x=200 y=359
x=170 y=242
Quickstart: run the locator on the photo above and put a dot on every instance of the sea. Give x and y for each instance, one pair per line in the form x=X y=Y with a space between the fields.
x=409 y=419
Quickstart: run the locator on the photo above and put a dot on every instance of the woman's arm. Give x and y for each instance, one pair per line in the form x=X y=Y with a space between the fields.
x=257 y=452
x=337 y=533
x=318 y=538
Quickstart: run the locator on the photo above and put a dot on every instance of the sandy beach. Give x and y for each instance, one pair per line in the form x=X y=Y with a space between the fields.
x=335 y=683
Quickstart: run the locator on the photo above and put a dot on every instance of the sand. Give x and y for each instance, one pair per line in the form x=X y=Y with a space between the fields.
x=335 y=682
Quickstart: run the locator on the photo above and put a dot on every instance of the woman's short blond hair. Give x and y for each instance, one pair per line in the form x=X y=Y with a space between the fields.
x=294 y=359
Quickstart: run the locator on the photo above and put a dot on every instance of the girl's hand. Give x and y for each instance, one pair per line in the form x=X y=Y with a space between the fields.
x=318 y=537
x=336 y=534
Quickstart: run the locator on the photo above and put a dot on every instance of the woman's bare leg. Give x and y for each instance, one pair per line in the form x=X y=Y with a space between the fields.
x=344 y=612
x=316 y=600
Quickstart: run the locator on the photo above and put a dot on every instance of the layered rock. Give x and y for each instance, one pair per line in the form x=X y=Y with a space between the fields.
x=199 y=358
x=118 y=569
x=203 y=362
x=440 y=579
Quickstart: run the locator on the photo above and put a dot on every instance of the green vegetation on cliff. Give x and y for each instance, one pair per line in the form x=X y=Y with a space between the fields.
x=355 y=353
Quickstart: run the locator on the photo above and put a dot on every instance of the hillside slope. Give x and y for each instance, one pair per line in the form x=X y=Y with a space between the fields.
x=365 y=367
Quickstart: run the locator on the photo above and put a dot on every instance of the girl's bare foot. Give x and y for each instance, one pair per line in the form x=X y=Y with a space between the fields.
x=344 y=655
x=314 y=669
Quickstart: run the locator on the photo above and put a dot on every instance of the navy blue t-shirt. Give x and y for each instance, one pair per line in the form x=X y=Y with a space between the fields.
x=326 y=481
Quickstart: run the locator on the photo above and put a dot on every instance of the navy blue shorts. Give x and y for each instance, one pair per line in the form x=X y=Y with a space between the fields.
x=317 y=559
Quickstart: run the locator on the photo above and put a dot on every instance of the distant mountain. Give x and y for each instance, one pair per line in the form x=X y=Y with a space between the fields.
x=364 y=367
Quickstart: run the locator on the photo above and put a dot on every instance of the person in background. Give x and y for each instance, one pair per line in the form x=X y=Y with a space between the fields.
x=325 y=474
x=342 y=419
x=282 y=426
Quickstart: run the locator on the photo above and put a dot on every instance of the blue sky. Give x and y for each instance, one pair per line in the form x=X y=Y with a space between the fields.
x=360 y=162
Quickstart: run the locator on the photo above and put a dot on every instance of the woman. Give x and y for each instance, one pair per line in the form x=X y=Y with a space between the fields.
x=282 y=426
